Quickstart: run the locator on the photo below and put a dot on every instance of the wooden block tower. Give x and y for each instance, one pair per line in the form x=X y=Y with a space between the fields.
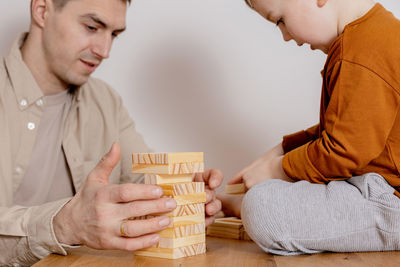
x=173 y=172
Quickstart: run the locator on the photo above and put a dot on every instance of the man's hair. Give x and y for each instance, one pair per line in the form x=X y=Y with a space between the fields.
x=61 y=3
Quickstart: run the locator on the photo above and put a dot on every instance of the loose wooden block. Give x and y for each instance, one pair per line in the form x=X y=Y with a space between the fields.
x=235 y=189
x=167 y=158
x=174 y=253
x=230 y=227
x=173 y=168
x=213 y=228
x=224 y=234
x=150 y=178
x=182 y=231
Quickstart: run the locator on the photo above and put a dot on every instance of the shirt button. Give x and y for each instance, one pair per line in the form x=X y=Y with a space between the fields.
x=23 y=103
x=39 y=102
x=31 y=126
x=18 y=170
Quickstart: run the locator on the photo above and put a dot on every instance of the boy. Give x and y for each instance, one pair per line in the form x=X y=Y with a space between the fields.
x=346 y=168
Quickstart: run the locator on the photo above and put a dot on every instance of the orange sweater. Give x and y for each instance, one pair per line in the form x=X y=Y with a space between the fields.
x=359 y=129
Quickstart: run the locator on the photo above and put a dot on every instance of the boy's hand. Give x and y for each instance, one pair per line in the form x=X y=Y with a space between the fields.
x=212 y=179
x=268 y=166
x=96 y=215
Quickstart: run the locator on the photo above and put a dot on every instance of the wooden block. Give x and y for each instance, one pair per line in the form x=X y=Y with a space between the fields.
x=228 y=224
x=182 y=188
x=173 y=168
x=235 y=189
x=229 y=220
x=224 y=235
x=182 y=231
x=166 y=242
x=179 y=221
x=167 y=158
x=184 y=210
x=186 y=220
x=222 y=229
x=174 y=253
x=191 y=198
x=150 y=178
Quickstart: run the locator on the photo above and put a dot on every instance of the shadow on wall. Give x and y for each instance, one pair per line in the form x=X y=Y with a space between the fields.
x=178 y=78
x=14 y=27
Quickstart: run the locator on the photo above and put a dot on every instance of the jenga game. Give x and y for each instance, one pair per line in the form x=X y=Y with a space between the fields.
x=173 y=172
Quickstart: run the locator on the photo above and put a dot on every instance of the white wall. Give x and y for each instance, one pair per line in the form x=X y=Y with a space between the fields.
x=207 y=75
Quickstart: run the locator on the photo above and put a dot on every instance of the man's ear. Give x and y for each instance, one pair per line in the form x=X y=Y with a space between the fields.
x=40 y=11
x=321 y=3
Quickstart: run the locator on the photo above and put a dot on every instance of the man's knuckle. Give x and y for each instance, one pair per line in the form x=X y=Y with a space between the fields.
x=124 y=193
x=104 y=242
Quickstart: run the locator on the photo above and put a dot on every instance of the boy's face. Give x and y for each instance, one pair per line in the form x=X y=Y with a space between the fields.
x=76 y=38
x=303 y=21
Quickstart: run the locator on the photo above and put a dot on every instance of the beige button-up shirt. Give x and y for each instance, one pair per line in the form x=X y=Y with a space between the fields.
x=96 y=119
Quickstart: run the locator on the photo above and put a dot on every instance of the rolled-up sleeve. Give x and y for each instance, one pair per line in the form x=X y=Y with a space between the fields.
x=358 y=120
x=27 y=235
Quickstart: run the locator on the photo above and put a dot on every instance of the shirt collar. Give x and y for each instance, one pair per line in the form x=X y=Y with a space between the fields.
x=24 y=84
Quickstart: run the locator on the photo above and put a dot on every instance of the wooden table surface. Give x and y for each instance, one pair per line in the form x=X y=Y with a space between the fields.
x=223 y=252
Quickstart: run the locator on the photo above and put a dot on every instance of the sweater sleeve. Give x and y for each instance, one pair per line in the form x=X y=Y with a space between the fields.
x=358 y=121
x=300 y=138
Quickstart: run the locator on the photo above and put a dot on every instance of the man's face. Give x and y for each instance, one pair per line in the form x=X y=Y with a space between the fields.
x=79 y=36
x=301 y=20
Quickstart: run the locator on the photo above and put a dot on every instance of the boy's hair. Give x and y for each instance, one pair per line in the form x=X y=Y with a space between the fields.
x=246 y=1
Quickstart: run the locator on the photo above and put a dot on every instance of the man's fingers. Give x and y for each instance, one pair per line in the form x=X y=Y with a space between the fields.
x=213 y=207
x=209 y=220
x=135 y=228
x=212 y=177
x=131 y=244
x=146 y=207
x=105 y=166
x=131 y=192
x=210 y=195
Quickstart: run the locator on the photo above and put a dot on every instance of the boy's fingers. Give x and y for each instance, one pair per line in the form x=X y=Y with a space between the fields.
x=236 y=179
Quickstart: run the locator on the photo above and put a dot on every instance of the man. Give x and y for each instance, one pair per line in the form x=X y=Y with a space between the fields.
x=57 y=123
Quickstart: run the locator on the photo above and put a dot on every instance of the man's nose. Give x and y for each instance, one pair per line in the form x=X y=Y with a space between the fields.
x=102 y=46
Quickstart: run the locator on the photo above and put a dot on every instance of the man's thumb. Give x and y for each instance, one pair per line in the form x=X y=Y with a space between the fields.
x=107 y=163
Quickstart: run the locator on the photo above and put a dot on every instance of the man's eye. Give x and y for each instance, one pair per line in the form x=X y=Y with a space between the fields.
x=91 y=28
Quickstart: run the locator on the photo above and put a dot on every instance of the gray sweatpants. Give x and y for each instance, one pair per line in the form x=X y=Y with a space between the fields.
x=359 y=214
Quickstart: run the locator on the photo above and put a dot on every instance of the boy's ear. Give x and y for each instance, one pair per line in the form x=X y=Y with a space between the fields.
x=321 y=3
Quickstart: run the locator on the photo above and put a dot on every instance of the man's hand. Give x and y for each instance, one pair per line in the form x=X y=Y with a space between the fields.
x=97 y=215
x=212 y=179
x=268 y=166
